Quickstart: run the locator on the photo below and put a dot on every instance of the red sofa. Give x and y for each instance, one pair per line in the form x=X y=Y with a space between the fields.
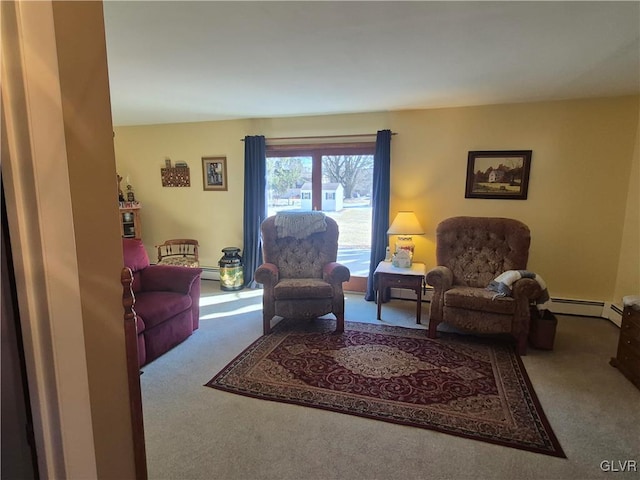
x=167 y=301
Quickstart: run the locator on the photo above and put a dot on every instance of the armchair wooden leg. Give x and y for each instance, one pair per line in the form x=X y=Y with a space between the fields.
x=266 y=325
x=339 y=322
x=522 y=344
x=433 y=329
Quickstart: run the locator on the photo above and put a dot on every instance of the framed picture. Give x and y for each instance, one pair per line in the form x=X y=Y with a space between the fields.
x=500 y=175
x=214 y=173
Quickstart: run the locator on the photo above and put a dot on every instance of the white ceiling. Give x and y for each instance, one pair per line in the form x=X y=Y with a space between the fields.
x=208 y=60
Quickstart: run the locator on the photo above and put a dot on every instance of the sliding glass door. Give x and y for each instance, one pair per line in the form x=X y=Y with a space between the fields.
x=335 y=179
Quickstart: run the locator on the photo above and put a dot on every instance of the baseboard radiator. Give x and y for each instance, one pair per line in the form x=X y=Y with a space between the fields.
x=210 y=273
x=564 y=306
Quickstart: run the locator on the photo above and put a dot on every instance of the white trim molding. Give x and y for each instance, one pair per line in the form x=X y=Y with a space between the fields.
x=613 y=312
x=569 y=306
x=210 y=273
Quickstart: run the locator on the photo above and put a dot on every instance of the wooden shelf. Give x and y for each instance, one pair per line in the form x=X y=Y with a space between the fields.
x=130 y=222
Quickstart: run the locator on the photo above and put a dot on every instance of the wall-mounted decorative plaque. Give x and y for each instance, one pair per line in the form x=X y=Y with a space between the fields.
x=175 y=177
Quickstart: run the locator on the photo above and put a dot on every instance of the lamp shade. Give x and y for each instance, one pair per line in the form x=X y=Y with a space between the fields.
x=405 y=223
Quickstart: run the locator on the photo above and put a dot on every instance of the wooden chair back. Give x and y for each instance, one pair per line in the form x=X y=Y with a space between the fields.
x=179 y=251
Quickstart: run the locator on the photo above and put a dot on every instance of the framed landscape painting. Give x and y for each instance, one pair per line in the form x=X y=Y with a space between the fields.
x=214 y=173
x=498 y=174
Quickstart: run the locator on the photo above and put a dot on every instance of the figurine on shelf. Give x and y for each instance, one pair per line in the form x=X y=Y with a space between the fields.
x=130 y=196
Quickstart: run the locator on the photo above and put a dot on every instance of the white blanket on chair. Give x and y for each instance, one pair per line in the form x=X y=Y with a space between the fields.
x=299 y=224
x=502 y=284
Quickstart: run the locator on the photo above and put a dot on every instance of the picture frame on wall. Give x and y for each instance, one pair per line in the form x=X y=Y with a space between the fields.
x=498 y=174
x=214 y=173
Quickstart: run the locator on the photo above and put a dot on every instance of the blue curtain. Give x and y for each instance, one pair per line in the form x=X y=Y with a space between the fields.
x=255 y=204
x=380 y=204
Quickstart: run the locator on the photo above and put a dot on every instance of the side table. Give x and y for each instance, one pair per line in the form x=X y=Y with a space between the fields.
x=388 y=276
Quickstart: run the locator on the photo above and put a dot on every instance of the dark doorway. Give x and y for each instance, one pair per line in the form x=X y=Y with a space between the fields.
x=18 y=443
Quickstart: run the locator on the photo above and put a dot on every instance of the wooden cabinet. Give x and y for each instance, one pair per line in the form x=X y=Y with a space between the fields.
x=627 y=360
x=130 y=222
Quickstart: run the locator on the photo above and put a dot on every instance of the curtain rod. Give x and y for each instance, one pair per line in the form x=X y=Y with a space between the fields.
x=323 y=136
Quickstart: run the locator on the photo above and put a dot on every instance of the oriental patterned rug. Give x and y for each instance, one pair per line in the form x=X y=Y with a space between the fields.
x=459 y=385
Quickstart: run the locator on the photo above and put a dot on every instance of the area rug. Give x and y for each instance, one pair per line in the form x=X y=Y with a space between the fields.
x=456 y=384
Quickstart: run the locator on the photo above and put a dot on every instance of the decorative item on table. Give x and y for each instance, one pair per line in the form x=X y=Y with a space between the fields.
x=405 y=225
x=167 y=162
x=402 y=259
x=231 y=269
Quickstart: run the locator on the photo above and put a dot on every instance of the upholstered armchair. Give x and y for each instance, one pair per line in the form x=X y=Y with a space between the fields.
x=301 y=277
x=166 y=300
x=470 y=253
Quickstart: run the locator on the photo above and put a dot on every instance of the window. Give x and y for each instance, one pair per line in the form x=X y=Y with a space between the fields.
x=334 y=178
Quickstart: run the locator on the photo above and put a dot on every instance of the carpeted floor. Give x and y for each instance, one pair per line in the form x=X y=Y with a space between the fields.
x=195 y=432
x=460 y=385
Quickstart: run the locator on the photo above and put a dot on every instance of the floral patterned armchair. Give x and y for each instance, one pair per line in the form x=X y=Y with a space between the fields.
x=301 y=277
x=471 y=252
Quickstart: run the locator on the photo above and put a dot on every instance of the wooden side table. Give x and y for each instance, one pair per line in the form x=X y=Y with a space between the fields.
x=412 y=278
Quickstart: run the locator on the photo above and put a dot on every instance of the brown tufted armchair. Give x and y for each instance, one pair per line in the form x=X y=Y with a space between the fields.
x=471 y=252
x=300 y=275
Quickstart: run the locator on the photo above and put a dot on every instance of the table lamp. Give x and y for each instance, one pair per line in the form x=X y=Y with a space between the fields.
x=405 y=225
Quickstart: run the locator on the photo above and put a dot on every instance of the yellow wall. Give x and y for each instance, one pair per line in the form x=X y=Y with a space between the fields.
x=214 y=218
x=629 y=267
x=581 y=163
x=578 y=190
